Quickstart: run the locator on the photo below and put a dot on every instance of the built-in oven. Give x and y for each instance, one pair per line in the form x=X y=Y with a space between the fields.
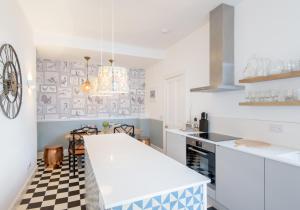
x=200 y=156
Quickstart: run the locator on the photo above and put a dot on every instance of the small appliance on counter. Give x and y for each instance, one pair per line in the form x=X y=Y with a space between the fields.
x=203 y=122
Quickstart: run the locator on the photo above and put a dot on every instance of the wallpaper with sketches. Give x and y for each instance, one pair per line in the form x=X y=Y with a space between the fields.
x=59 y=95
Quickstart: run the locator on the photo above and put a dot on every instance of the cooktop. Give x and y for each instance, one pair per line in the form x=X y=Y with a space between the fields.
x=214 y=137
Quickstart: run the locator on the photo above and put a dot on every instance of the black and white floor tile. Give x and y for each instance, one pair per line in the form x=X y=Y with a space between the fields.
x=55 y=189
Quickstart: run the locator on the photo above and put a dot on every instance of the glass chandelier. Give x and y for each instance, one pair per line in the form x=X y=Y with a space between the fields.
x=111 y=79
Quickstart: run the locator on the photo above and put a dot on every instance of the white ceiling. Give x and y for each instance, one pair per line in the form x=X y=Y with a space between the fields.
x=137 y=22
x=69 y=29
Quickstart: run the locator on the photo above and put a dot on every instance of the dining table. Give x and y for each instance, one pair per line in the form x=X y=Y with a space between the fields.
x=69 y=136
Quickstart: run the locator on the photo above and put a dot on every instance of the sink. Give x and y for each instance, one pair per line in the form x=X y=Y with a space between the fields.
x=293 y=156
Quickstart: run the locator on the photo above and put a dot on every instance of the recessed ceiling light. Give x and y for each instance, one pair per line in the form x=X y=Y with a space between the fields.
x=164 y=30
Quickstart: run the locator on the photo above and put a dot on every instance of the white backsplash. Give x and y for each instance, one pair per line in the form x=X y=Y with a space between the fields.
x=275 y=132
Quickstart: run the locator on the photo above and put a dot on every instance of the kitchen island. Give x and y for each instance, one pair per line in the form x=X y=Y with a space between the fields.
x=123 y=173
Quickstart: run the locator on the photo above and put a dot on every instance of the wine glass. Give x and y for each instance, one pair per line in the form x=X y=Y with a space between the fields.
x=251 y=67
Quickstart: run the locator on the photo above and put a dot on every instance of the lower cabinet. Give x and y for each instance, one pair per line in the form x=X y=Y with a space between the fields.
x=176 y=147
x=239 y=180
x=282 y=186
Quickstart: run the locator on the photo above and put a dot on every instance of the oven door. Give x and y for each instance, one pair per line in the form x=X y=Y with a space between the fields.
x=201 y=161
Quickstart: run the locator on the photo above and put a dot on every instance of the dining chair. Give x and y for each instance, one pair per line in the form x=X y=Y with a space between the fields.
x=76 y=144
x=124 y=128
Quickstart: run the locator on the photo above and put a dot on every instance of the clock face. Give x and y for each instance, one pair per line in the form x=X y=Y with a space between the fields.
x=10 y=82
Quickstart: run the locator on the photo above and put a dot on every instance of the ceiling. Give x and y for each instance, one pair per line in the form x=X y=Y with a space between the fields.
x=139 y=23
x=70 y=29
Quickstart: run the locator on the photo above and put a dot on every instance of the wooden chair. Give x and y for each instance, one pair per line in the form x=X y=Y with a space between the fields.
x=124 y=128
x=76 y=143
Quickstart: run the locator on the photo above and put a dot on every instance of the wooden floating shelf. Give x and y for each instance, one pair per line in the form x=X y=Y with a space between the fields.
x=292 y=74
x=284 y=103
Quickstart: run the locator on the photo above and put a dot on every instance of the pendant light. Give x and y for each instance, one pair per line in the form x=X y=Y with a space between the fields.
x=111 y=79
x=86 y=85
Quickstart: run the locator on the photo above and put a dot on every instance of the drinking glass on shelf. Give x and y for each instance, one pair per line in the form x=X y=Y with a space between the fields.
x=298 y=65
x=275 y=95
x=248 y=96
x=260 y=67
x=276 y=67
x=294 y=65
x=258 y=96
x=268 y=95
x=252 y=96
x=288 y=66
x=251 y=67
x=281 y=97
x=266 y=66
x=288 y=95
x=263 y=66
x=297 y=94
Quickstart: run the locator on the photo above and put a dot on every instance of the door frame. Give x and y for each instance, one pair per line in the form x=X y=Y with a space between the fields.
x=166 y=78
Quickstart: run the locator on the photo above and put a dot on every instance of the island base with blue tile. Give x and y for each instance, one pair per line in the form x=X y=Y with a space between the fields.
x=191 y=198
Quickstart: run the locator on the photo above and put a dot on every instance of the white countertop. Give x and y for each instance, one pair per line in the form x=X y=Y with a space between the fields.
x=273 y=152
x=126 y=170
x=181 y=132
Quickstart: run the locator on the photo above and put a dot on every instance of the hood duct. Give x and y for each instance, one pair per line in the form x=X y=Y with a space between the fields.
x=221 y=73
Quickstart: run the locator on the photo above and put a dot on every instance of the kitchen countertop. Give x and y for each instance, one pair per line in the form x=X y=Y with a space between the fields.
x=121 y=162
x=272 y=152
x=181 y=132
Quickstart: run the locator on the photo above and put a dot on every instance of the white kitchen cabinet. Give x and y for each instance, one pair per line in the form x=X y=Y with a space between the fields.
x=176 y=147
x=282 y=186
x=239 y=180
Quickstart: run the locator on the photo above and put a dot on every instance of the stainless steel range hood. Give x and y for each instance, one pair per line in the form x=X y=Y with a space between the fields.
x=221 y=73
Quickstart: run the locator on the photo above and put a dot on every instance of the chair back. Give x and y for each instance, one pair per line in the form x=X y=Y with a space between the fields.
x=86 y=131
x=77 y=136
x=124 y=128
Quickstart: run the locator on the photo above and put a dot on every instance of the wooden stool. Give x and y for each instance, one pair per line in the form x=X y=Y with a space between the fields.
x=53 y=156
x=144 y=139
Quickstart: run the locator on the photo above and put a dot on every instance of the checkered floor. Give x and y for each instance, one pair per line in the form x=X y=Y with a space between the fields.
x=55 y=189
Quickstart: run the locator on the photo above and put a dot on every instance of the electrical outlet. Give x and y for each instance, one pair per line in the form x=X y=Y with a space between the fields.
x=276 y=128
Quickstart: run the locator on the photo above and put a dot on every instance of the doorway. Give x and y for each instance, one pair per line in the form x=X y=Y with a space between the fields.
x=174 y=103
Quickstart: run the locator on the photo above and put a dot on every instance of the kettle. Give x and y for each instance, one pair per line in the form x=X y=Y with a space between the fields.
x=203 y=122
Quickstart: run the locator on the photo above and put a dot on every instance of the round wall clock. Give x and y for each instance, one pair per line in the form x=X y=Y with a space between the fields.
x=10 y=82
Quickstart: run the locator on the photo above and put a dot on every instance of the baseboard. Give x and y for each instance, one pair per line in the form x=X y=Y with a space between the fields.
x=157 y=148
x=18 y=198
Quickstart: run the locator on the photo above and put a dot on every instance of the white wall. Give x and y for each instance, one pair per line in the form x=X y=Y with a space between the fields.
x=18 y=136
x=267 y=28
x=189 y=56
